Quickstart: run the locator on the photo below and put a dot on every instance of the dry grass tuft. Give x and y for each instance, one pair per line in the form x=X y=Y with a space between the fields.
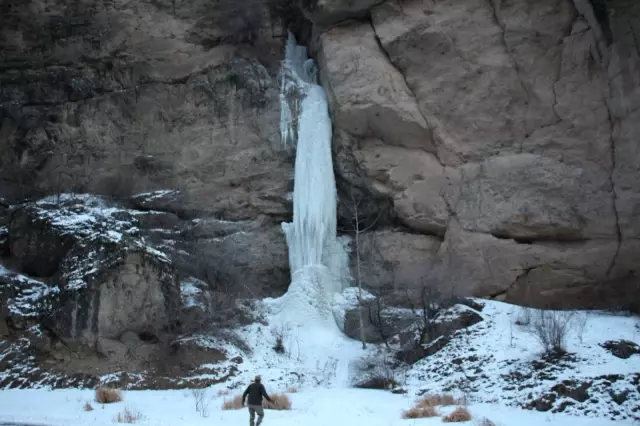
x=443 y=399
x=108 y=395
x=88 y=406
x=281 y=401
x=223 y=392
x=292 y=389
x=128 y=415
x=485 y=422
x=419 y=412
x=460 y=414
x=234 y=403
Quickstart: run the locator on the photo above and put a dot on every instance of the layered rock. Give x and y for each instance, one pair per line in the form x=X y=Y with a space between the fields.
x=119 y=98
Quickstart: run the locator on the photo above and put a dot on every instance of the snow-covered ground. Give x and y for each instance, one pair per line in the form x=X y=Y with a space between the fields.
x=496 y=365
x=313 y=407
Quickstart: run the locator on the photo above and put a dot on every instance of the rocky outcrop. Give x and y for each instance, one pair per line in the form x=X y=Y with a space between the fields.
x=103 y=279
x=121 y=292
x=523 y=165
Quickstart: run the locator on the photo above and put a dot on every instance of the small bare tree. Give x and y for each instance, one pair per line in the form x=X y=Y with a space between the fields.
x=551 y=329
x=200 y=399
x=358 y=227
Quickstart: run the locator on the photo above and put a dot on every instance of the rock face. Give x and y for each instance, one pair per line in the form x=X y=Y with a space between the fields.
x=118 y=98
x=494 y=143
x=502 y=134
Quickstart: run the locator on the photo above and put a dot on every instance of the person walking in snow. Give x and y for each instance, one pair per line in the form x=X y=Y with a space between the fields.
x=255 y=391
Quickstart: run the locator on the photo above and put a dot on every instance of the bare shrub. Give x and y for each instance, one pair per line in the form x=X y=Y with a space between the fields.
x=485 y=422
x=128 y=415
x=292 y=389
x=444 y=399
x=579 y=324
x=234 y=403
x=105 y=395
x=200 y=399
x=222 y=392
x=460 y=414
x=524 y=316
x=551 y=329
x=279 y=401
x=87 y=406
x=280 y=334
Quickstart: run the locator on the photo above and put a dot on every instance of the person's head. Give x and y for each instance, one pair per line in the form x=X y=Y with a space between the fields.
x=258 y=379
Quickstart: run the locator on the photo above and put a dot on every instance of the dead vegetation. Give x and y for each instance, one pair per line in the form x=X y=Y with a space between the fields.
x=234 y=403
x=485 y=422
x=434 y=400
x=419 y=413
x=105 y=395
x=281 y=401
x=87 y=406
x=427 y=406
x=128 y=415
x=460 y=414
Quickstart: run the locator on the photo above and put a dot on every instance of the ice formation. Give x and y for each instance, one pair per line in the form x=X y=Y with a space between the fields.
x=317 y=258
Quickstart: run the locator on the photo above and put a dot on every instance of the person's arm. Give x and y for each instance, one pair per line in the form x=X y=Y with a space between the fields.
x=264 y=393
x=244 y=395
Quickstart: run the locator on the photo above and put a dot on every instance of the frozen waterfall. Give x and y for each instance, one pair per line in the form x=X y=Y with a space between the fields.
x=317 y=258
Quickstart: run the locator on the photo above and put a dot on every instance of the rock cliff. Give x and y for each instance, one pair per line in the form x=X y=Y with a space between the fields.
x=492 y=146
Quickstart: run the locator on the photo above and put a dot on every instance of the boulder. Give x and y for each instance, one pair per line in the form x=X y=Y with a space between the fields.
x=138 y=292
x=424 y=340
x=379 y=323
x=621 y=348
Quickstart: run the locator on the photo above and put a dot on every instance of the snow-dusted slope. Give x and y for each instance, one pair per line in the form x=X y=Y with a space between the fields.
x=498 y=360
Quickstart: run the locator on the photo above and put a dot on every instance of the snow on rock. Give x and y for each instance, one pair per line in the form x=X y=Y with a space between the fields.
x=25 y=297
x=190 y=289
x=75 y=235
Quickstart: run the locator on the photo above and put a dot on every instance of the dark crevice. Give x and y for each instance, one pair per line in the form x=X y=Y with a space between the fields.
x=520 y=276
x=601 y=13
x=516 y=67
x=536 y=239
x=614 y=198
x=409 y=88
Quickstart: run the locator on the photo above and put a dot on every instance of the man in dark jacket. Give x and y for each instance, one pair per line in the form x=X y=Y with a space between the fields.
x=255 y=391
